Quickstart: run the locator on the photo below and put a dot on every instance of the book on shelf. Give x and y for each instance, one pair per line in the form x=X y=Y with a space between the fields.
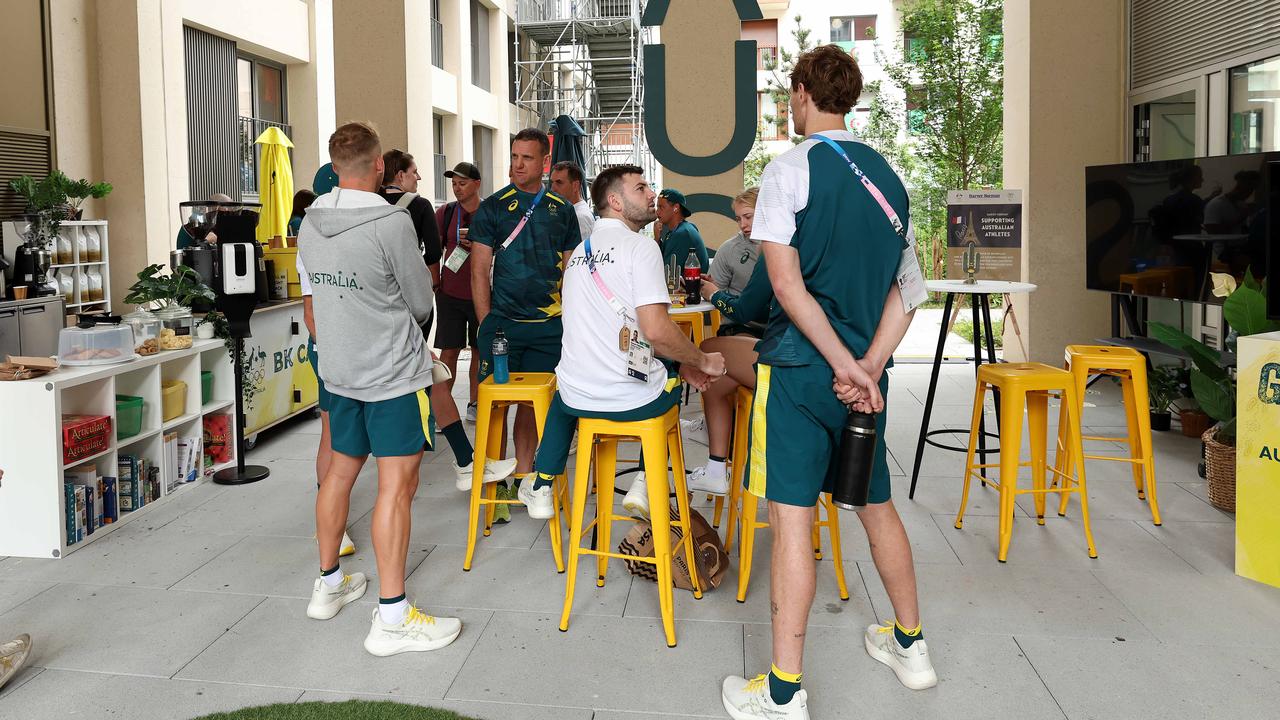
x=171 y=460
x=110 y=499
x=69 y=502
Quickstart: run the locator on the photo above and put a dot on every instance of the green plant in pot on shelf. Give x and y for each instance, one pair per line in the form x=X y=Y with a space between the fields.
x=170 y=295
x=1164 y=389
x=80 y=190
x=46 y=202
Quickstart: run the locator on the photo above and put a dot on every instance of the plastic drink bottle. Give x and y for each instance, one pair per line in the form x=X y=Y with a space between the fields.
x=500 y=347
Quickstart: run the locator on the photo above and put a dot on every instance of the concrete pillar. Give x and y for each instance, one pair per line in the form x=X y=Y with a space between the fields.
x=1064 y=109
x=311 y=100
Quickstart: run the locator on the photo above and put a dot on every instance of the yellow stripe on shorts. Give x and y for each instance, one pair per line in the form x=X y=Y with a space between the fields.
x=424 y=413
x=759 y=427
x=671 y=384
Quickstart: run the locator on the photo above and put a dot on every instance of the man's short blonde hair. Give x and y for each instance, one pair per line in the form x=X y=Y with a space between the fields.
x=354 y=147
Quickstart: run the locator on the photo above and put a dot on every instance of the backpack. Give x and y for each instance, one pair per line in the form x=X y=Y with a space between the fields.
x=709 y=555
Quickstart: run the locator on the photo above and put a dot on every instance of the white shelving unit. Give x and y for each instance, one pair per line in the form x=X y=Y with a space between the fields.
x=78 y=267
x=32 y=515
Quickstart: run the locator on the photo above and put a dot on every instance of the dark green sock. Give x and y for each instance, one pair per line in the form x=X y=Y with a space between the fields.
x=543 y=480
x=781 y=691
x=457 y=437
x=907 y=638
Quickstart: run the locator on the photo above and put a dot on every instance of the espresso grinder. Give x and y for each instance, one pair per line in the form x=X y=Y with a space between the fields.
x=31 y=260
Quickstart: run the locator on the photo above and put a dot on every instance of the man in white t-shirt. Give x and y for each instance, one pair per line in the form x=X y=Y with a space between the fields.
x=566 y=181
x=614 y=296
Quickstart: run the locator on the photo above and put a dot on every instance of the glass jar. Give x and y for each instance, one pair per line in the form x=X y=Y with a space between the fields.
x=146 y=331
x=175 y=327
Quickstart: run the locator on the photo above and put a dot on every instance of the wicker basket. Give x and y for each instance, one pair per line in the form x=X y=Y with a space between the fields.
x=1220 y=470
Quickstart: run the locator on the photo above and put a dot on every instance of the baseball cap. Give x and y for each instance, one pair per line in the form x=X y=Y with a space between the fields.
x=464 y=169
x=675 y=197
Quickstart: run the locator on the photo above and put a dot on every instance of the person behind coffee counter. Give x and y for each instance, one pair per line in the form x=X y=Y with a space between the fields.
x=185 y=240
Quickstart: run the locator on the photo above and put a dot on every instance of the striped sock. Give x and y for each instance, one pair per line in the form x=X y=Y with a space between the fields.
x=543 y=480
x=392 y=610
x=331 y=577
x=783 y=685
x=906 y=638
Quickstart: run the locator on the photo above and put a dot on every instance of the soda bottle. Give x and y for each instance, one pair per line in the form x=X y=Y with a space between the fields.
x=692 y=279
x=500 y=347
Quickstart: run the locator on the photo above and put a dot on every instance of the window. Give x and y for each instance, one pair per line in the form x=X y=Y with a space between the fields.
x=768 y=56
x=915 y=113
x=482 y=156
x=260 y=97
x=913 y=48
x=479 y=45
x=773 y=118
x=1253 y=94
x=440 y=161
x=437 y=36
x=853 y=28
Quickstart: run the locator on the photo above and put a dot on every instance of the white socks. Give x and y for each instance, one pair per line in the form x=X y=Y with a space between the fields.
x=333 y=579
x=393 y=613
x=716 y=468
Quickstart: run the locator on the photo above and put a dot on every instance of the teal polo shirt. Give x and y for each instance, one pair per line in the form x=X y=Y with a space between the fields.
x=678 y=242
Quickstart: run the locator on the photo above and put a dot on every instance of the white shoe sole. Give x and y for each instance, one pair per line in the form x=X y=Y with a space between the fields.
x=717 y=491
x=328 y=612
x=388 y=650
x=638 y=510
x=912 y=681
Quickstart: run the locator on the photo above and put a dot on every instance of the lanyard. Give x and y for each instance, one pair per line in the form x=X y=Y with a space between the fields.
x=525 y=220
x=894 y=220
x=614 y=302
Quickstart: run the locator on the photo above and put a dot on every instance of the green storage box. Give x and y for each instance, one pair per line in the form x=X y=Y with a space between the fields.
x=206 y=387
x=128 y=416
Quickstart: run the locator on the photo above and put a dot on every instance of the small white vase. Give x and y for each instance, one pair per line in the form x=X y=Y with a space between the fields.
x=204 y=331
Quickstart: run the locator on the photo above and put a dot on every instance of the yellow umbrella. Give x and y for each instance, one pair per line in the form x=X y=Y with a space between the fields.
x=275 y=184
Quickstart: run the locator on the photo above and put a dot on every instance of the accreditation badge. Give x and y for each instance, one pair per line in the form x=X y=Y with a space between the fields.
x=456 y=258
x=639 y=357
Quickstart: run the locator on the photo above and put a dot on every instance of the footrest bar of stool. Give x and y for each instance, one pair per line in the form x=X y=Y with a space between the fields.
x=617 y=556
x=1111 y=458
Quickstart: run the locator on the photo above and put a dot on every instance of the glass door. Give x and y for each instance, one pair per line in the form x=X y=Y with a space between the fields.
x=1167 y=128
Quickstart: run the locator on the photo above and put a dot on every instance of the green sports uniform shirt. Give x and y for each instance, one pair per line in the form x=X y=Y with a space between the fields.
x=527 y=273
x=677 y=244
x=849 y=253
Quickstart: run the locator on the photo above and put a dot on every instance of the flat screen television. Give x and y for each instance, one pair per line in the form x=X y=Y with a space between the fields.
x=1158 y=229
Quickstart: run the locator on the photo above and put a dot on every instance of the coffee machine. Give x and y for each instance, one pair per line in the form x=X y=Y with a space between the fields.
x=31 y=260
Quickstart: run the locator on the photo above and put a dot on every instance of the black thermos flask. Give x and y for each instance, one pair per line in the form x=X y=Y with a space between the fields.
x=857 y=453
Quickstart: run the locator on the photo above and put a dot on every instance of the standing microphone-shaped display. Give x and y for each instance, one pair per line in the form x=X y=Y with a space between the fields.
x=857 y=455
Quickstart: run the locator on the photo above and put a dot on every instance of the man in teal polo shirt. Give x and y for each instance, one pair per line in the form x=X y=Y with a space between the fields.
x=842 y=264
x=681 y=236
x=521 y=239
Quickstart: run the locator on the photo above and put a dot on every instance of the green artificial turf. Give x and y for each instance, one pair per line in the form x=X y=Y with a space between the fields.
x=349 y=710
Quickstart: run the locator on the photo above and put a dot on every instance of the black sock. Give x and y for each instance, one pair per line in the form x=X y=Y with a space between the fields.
x=716 y=458
x=457 y=437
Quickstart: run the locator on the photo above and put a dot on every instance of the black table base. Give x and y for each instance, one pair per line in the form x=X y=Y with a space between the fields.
x=982 y=330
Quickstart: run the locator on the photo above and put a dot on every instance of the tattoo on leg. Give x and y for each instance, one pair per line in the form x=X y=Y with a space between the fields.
x=773 y=608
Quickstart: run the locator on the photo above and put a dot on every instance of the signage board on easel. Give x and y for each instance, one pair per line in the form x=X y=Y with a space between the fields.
x=984 y=229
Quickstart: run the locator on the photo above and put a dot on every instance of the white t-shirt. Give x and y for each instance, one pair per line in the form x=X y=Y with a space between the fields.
x=337 y=198
x=586 y=218
x=592 y=374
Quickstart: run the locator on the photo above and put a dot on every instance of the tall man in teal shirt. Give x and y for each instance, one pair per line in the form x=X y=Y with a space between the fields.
x=681 y=236
x=526 y=259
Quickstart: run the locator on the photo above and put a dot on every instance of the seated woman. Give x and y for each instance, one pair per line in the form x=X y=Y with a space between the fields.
x=301 y=201
x=735 y=261
x=739 y=351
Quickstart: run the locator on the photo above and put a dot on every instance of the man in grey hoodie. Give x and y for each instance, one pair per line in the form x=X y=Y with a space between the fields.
x=370 y=295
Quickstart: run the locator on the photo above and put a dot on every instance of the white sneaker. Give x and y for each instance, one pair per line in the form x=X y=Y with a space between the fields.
x=541 y=503
x=749 y=700
x=636 y=501
x=471 y=413
x=702 y=481
x=327 y=601
x=13 y=655
x=417 y=632
x=494 y=470
x=911 y=665
x=695 y=429
x=347 y=547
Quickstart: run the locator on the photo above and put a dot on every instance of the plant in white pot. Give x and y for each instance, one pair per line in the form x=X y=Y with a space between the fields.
x=171 y=295
x=1213 y=381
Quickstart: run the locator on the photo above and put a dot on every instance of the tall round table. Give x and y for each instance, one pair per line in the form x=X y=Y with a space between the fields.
x=980 y=292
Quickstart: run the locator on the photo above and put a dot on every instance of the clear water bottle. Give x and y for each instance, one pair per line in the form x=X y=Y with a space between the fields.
x=501 y=373
x=857 y=456
x=692 y=279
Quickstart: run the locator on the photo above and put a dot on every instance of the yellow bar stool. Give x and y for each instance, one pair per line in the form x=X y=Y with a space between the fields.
x=737 y=465
x=691 y=323
x=1028 y=384
x=750 y=523
x=716 y=320
x=535 y=390
x=1130 y=367
x=659 y=439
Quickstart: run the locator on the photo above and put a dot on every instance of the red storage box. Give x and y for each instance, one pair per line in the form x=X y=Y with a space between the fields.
x=84 y=435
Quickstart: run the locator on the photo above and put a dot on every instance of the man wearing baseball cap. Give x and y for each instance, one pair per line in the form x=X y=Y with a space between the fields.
x=455 y=310
x=681 y=235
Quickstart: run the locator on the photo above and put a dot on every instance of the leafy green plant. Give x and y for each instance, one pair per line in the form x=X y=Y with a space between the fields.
x=964 y=328
x=221 y=329
x=181 y=287
x=1164 y=387
x=1213 y=382
x=41 y=195
x=80 y=190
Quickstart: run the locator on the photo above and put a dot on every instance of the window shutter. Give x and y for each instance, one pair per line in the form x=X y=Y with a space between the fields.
x=21 y=153
x=213 y=147
x=1168 y=38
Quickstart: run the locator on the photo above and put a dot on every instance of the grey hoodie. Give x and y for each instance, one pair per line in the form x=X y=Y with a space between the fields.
x=370 y=293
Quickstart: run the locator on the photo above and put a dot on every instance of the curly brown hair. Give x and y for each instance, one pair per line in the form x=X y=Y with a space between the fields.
x=831 y=76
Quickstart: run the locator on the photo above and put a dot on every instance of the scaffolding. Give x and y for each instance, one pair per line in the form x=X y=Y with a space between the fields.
x=583 y=58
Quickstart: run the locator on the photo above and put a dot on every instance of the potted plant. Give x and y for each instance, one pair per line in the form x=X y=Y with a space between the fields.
x=80 y=190
x=1164 y=387
x=171 y=296
x=1213 y=381
x=46 y=202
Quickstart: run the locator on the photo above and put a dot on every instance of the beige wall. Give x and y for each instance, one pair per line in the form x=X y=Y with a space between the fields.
x=1064 y=109
x=699 y=37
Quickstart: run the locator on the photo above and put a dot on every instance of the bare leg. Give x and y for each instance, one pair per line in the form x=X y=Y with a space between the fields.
x=526 y=439
x=792 y=581
x=449 y=357
x=718 y=400
x=333 y=501
x=474 y=372
x=442 y=404
x=891 y=551
x=324 y=454
x=397 y=482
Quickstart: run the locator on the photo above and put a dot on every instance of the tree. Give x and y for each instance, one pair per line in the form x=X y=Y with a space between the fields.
x=950 y=70
x=779 y=69
x=753 y=166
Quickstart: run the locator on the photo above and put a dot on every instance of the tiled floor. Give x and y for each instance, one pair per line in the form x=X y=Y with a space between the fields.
x=198 y=606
